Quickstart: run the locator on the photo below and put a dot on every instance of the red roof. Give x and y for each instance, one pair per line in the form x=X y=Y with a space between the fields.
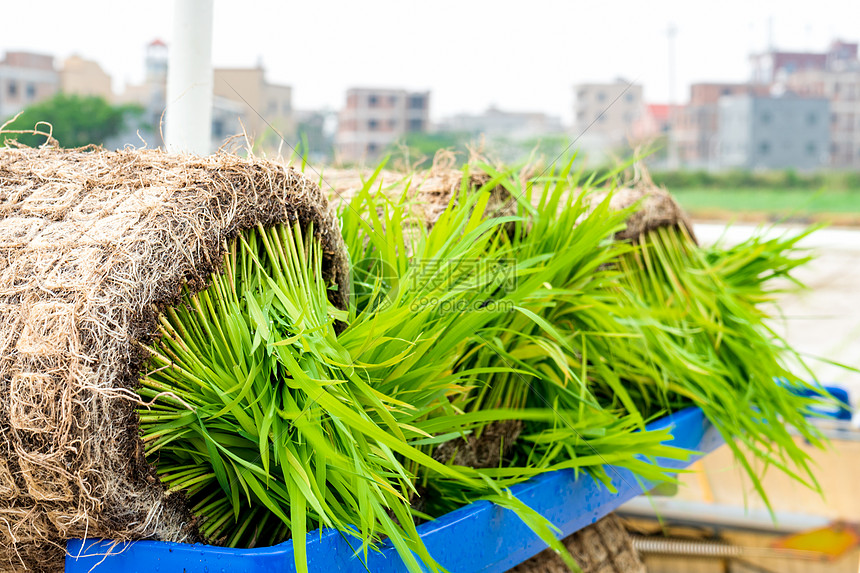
x=659 y=111
x=157 y=42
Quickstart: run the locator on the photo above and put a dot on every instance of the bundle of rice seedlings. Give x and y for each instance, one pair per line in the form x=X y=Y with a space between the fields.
x=93 y=244
x=518 y=347
x=272 y=424
x=637 y=328
x=693 y=331
x=707 y=331
x=272 y=402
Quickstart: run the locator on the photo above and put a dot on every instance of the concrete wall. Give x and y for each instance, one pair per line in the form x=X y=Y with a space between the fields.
x=595 y=113
x=85 y=78
x=842 y=88
x=374 y=118
x=25 y=79
x=774 y=132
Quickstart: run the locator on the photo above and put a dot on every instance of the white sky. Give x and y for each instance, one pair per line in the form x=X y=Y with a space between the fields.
x=519 y=55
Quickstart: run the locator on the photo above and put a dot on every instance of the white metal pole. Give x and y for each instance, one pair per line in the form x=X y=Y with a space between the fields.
x=188 y=118
x=672 y=135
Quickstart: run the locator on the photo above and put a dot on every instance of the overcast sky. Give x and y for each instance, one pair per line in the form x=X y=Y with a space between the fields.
x=517 y=55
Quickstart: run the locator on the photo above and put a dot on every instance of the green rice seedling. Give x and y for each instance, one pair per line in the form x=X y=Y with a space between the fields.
x=641 y=330
x=272 y=425
x=513 y=349
x=705 y=328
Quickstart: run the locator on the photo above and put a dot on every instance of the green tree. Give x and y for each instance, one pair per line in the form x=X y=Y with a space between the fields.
x=74 y=121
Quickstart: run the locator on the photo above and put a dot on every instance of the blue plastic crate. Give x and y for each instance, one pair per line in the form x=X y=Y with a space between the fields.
x=478 y=537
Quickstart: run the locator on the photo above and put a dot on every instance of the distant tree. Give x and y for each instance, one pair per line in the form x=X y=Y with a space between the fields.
x=74 y=121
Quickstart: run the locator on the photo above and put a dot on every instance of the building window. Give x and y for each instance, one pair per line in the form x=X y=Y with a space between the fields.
x=601 y=96
x=763 y=148
x=372 y=124
x=416 y=102
x=218 y=129
x=392 y=123
x=416 y=125
x=811 y=148
x=273 y=107
x=811 y=119
x=765 y=117
x=392 y=100
x=286 y=108
x=12 y=89
x=726 y=91
x=371 y=148
x=31 y=92
x=372 y=101
x=628 y=97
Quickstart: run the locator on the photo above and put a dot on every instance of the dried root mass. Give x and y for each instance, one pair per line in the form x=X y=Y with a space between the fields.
x=92 y=245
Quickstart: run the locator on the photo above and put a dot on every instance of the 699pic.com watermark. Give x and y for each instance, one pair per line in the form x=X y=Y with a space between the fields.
x=464 y=285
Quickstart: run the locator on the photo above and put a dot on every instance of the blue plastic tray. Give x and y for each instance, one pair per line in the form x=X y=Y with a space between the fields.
x=478 y=537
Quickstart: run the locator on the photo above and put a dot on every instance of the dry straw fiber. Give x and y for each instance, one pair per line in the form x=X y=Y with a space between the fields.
x=92 y=245
x=655 y=208
x=429 y=191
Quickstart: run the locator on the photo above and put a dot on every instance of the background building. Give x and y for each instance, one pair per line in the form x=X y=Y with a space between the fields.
x=316 y=129
x=775 y=66
x=151 y=95
x=764 y=132
x=495 y=123
x=375 y=118
x=841 y=86
x=654 y=123
x=84 y=77
x=601 y=125
x=265 y=109
x=695 y=126
x=243 y=103
x=25 y=78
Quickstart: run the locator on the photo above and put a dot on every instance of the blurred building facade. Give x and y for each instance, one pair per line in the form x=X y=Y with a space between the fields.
x=79 y=76
x=770 y=132
x=698 y=131
x=375 y=118
x=151 y=95
x=695 y=125
x=263 y=109
x=495 y=123
x=774 y=66
x=655 y=122
x=839 y=82
x=604 y=115
x=25 y=78
x=244 y=103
